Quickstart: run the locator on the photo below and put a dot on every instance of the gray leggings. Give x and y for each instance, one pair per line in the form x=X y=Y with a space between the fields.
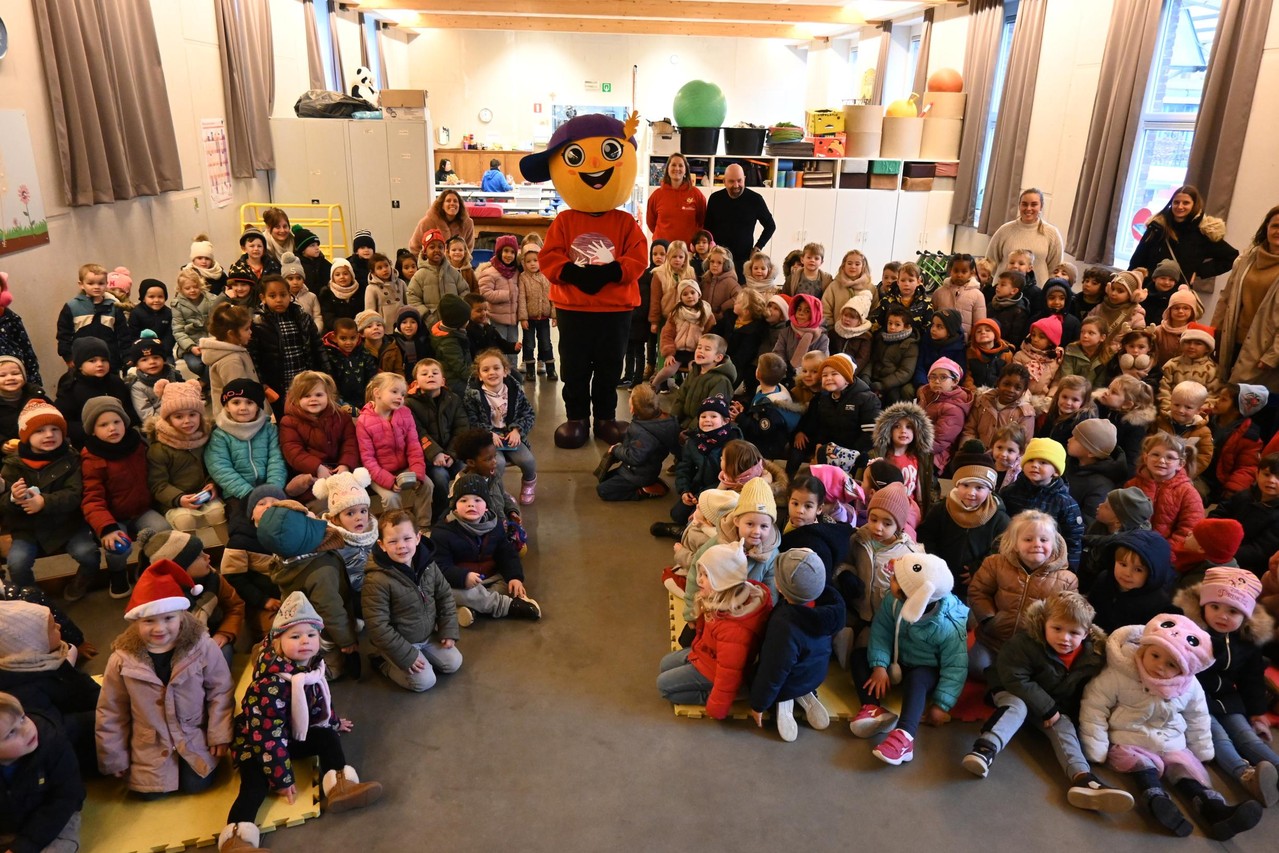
x=1010 y=713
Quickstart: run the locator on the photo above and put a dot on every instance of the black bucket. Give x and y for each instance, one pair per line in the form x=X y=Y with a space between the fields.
x=698 y=140
x=744 y=141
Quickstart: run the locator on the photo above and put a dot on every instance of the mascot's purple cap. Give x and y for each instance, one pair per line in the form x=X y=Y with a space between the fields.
x=536 y=167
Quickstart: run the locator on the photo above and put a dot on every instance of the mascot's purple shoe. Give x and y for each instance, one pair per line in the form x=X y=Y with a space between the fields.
x=571 y=435
x=611 y=431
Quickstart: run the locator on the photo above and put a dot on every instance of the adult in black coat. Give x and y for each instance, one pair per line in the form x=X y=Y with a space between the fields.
x=1181 y=231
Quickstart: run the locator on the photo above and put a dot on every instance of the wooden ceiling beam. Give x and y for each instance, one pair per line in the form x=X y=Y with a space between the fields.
x=664 y=10
x=612 y=26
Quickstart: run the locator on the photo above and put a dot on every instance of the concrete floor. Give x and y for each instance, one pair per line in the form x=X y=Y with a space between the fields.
x=552 y=737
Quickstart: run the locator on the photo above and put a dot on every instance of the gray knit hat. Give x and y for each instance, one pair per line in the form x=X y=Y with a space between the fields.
x=1131 y=507
x=96 y=407
x=179 y=546
x=1097 y=435
x=801 y=576
x=290 y=265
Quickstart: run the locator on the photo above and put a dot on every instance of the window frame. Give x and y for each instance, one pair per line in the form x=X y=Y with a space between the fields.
x=997 y=86
x=373 y=46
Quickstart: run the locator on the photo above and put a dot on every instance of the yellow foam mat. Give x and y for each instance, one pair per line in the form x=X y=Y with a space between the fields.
x=836 y=692
x=115 y=822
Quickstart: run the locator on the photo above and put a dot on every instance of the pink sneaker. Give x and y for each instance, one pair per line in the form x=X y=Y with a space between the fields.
x=897 y=748
x=528 y=491
x=871 y=720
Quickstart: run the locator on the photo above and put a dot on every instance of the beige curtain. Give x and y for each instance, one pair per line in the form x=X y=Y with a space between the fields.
x=981 y=55
x=248 y=83
x=1125 y=68
x=314 y=56
x=109 y=101
x=338 y=72
x=925 y=46
x=1229 y=87
x=881 y=64
x=1012 y=127
x=381 y=56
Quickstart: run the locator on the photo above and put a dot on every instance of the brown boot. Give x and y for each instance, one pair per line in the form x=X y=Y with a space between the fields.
x=240 y=837
x=345 y=791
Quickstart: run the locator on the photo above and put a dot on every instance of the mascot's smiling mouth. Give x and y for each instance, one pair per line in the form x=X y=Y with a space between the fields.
x=597 y=180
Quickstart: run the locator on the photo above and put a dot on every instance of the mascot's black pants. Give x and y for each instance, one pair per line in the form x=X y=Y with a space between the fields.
x=592 y=354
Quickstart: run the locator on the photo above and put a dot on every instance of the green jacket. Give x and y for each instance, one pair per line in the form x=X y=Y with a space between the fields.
x=720 y=381
x=405 y=605
x=173 y=472
x=453 y=351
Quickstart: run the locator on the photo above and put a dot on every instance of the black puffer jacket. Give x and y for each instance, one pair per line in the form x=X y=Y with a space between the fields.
x=1034 y=673
x=439 y=419
x=644 y=448
x=1235 y=683
x=847 y=421
x=1117 y=607
x=1089 y=484
x=43 y=793
x=1198 y=245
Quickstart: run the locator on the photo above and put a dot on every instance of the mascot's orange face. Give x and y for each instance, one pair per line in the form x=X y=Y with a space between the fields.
x=595 y=173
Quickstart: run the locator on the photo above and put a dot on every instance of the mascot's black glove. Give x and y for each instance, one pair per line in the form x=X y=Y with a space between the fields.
x=591 y=279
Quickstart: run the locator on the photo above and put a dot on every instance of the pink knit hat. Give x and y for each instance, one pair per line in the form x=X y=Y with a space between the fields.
x=1187 y=644
x=1238 y=588
x=1051 y=327
x=179 y=397
x=948 y=365
x=120 y=279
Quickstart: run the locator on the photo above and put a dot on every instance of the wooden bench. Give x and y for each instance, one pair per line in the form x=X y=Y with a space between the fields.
x=64 y=566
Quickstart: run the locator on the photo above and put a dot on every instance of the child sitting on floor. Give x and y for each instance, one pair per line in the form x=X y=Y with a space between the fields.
x=149 y=369
x=1183 y=420
x=711 y=375
x=804 y=334
x=845 y=412
x=698 y=466
x=218 y=608
x=347 y=498
x=43 y=790
x=244 y=450
x=894 y=356
x=632 y=468
x=1162 y=476
x=1194 y=364
x=1008 y=402
x=965 y=528
x=316 y=437
x=947 y=404
x=903 y=437
x=1071 y=404
x=1094 y=466
x=987 y=354
x=1257 y=511
x=808 y=378
x=180 y=484
x=440 y=417
x=1236 y=439
x=390 y=449
x=495 y=401
x=478 y=455
x=1135 y=584
x=1128 y=404
x=1041 y=487
x=772 y=415
x=712 y=506
x=1006 y=449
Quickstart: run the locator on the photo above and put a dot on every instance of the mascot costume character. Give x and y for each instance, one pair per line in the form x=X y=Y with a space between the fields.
x=594 y=255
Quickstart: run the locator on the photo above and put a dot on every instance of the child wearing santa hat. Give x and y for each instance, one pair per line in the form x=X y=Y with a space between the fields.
x=167 y=680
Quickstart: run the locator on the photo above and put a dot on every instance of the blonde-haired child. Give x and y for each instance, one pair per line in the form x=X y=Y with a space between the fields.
x=191 y=306
x=808 y=377
x=495 y=401
x=853 y=278
x=664 y=295
x=1194 y=364
x=761 y=275
x=1130 y=405
x=1162 y=476
x=225 y=352
x=164 y=713
x=719 y=282
x=745 y=331
x=390 y=450
x=691 y=318
x=1183 y=419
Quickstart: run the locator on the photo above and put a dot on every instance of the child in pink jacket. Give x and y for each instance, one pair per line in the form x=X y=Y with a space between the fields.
x=962 y=292
x=947 y=403
x=390 y=450
x=499 y=282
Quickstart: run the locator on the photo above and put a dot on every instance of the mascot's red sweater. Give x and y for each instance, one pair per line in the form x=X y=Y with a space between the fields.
x=576 y=237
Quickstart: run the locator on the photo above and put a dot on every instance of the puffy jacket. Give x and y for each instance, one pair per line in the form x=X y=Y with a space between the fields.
x=984 y=366
x=406 y=605
x=1260 y=522
x=794 y=658
x=987 y=416
x=967 y=300
x=43 y=792
x=664 y=292
x=115 y=490
x=241 y=457
x=351 y=371
x=724 y=648
x=1118 y=709
x=431 y=284
x=501 y=293
x=225 y=362
x=1177 y=506
x=930 y=351
x=81 y=317
x=535 y=297
x=386 y=298
x=1090 y=484
x=1237 y=460
x=948 y=411
x=439 y=419
x=334 y=307
x=144 y=726
x=75 y=389
x=1236 y=681
x=389 y=446
x=719 y=380
x=308 y=441
x=847 y=420
x=963 y=548
x=893 y=363
x=453 y=350
x=1198 y=435
x=61 y=486
x=1055 y=500
x=720 y=291
x=696 y=471
x=1034 y=673
x=939 y=639
x=1117 y=607
x=1001 y=591
x=1093 y=368
x=519 y=411
x=829 y=540
x=645 y=447
x=459 y=551
x=681 y=334
x=873 y=568
x=761 y=563
x=65 y=695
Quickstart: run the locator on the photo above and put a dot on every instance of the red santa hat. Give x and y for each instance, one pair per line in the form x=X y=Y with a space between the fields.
x=164 y=587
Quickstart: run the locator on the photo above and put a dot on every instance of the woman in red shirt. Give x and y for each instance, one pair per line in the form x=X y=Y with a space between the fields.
x=677 y=208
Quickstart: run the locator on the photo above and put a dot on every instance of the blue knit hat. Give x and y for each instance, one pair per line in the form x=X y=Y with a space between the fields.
x=290 y=532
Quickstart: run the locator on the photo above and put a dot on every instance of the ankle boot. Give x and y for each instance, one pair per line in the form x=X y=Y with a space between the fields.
x=524 y=608
x=1223 y=821
x=529 y=372
x=242 y=837
x=1166 y=813
x=550 y=372
x=345 y=791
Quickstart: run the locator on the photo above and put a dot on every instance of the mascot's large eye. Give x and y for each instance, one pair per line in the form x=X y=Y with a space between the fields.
x=612 y=149
x=574 y=155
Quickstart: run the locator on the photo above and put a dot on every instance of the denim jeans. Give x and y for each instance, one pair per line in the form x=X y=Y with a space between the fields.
x=1009 y=715
x=521 y=457
x=149 y=519
x=510 y=332
x=82 y=547
x=537 y=338
x=679 y=682
x=1237 y=746
x=196 y=365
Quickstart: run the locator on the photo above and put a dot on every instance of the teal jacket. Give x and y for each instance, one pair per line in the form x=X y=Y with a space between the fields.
x=939 y=639
x=241 y=457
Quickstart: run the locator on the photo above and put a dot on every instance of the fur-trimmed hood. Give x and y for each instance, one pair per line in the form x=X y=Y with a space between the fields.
x=1258 y=628
x=922 y=425
x=130 y=641
x=1212 y=227
x=1121 y=649
x=1141 y=416
x=1033 y=624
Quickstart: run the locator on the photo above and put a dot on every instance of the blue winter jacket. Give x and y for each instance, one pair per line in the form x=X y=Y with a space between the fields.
x=939 y=639
x=241 y=457
x=795 y=657
x=494 y=182
x=1055 y=500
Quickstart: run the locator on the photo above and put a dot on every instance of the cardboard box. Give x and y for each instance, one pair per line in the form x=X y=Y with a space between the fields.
x=823 y=122
x=917 y=185
x=885 y=167
x=883 y=182
x=828 y=146
x=404 y=104
x=919 y=170
x=854 y=181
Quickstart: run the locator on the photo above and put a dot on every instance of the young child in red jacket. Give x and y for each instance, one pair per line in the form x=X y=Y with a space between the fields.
x=1162 y=476
x=947 y=403
x=316 y=436
x=731 y=614
x=1236 y=440
x=116 y=501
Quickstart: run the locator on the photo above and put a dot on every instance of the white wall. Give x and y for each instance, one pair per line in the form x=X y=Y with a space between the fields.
x=1257 y=188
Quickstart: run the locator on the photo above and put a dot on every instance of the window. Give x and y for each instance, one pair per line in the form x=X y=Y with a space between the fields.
x=373 y=49
x=1167 y=125
x=320 y=10
x=996 y=93
x=903 y=56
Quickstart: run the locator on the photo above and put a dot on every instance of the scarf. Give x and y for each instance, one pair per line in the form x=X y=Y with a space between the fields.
x=120 y=450
x=1005 y=301
x=764 y=287
x=357 y=540
x=970 y=518
x=498 y=402
x=299 y=709
x=896 y=337
x=803 y=343
x=344 y=291
x=213 y=273
x=480 y=528
x=1037 y=355
x=844 y=330
x=242 y=431
x=168 y=435
x=756 y=470
x=1164 y=688
x=708 y=441
x=506 y=270
x=38 y=459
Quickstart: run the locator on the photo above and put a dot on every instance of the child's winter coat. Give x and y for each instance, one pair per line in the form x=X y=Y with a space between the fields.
x=1236 y=681
x=744 y=345
x=963 y=538
x=893 y=362
x=453 y=351
x=241 y=457
x=841 y=289
x=794 y=658
x=75 y=389
x=387 y=354
x=405 y=605
x=664 y=292
x=967 y=300
x=226 y=362
x=798 y=284
x=1094 y=368
x=1118 y=319
x=389 y=446
x=1090 y=484
x=1260 y=520
x=685 y=326
x=761 y=562
x=938 y=640
x=482 y=546
x=1034 y=673
x=1118 y=709
x=439 y=419
x=1178 y=507
x=1181 y=369
x=143 y=317
x=699 y=462
x=948 y=411
x=351 y=371
x=988 y=415
x=142 y=393
x=644 y=448
x=725 y=646
x=1069 y=322
x=82 y=317
x=519 y=411
x=386 y=297
x=535 y=297
x=41 y=791
x=1237 y=454
x=795 y=340
x=930 y=350
x=872 y=563
x=309 y=441
x=717 y=381
x=1055 y=500
x=1043 y=366
x=146 y=727
x=1013 y=317
x=721 y=291
x=115 y=482
x=920 y=310
x=985 y=365
x=502 y=293
x=57 y=475
x=847 y=418
x=284 y=345
x=430 y=284
x=1116 y=607
x=15 y=341
x=920 y=487
x=1002 y=589
x=769 y=421
x=1130 y=427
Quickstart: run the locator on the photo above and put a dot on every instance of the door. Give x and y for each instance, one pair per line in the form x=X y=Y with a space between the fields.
x=410 y=170
x=291 y=180
x=370 y=181
x=819 y=224
x=850 y=221
x=908 y=235
x=878 y=229
x=788 y=213
x=939 y=233
x=326 y=146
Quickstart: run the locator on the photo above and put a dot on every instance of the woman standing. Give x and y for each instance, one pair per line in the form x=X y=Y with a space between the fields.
x=448 y=215
x=1027 y=231
x=676 y=208
x=1247 y=315
x=1181 y=232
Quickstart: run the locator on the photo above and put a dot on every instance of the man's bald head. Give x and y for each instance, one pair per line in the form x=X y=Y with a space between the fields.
x=734 y=180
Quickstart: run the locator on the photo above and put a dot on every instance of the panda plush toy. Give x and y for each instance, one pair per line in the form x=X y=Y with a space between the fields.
x=594 y=255
x=364 y=87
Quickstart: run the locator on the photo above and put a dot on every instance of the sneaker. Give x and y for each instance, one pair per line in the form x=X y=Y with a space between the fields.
x=674 y=582
x=655 y=490
x=978 y=761
x=625 y=382
x=871 y=720
x=814 y=711
x=76 y=588
x=528 y=491
x=1088 y=792
x=465 y=617
x=897 y=748
x=786 y=725
x=524 y=608
x=1262 y=783
x=118 y=585
x=541 y=368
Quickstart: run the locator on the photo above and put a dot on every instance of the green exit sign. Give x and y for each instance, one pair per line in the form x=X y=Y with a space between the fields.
x=606 y=87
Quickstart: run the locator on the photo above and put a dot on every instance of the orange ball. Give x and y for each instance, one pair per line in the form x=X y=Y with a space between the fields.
x=945 y=80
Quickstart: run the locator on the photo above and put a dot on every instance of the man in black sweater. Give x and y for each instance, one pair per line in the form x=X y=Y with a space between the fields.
x=731 y=216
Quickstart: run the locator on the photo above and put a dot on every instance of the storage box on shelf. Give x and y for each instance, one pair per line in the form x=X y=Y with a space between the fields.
x=823 y=122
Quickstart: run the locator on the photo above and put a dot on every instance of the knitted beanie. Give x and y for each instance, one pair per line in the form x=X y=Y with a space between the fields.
x=972 y=462
x=83 y=349
x=290 y=265
x=13 y=359
x=201 y=249
x=367 y=318
x=406 y=313
x=859 y=302
x=714 y=504
x=1167 y=268
x=261 y=493
x=1185 y=295
x=296 y=610
x=149 y=283
x=924 y=578
x=344 y=490
x=303 y=237
x=96 y=407
x=164 y=587
x=1097 y=435
x=842 y=364
x=756 y=496
x=782 y=305
x=1051 y=327
x=1238 y=588
x=244 y=388
x=1219 y=539
x=39 y=413
x=176 y=545
x=1203 y=334
x=949 y=365
x=363 y=239
x=252 y=233
x=432 y=235
x=290 y=532
x=1131 y=507
x=120 y=279
x=454 y=312
x=689 y=284
x=1252 y=399
x=1049 y=451
x=801 y=576
x=1131 y=280
x=715 y=404
x=469 y=484
x=894 y=500
x=24 y=633
x=146 y=345
x=178 y=397
x=724 y=565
